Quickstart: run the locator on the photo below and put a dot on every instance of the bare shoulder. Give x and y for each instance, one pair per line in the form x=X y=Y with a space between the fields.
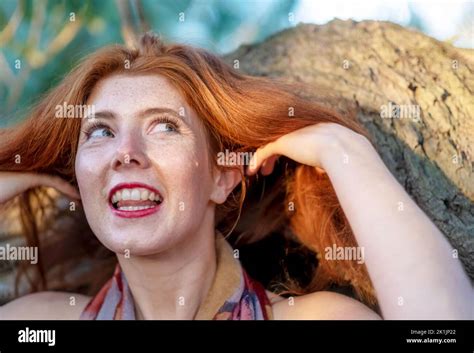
x=45 y=306
x=321 y=305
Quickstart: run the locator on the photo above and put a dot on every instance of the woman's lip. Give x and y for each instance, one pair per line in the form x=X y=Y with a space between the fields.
x=131 y=186
x=135 y=214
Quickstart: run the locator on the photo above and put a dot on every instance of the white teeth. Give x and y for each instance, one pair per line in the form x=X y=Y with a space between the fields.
x=135 y=195
x=125 y=194
x=134 y=208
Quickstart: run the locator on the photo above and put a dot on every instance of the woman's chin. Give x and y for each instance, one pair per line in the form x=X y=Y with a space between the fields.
x=129 y=244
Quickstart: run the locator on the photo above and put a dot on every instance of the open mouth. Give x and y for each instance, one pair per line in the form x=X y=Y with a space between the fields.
x=134 y=200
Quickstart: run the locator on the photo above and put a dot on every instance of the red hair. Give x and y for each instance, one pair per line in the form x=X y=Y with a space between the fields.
x=240 y=113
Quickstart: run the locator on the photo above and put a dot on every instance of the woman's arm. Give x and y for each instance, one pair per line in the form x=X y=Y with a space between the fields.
x=45 y=306
x=14 y=183
x=410 y=262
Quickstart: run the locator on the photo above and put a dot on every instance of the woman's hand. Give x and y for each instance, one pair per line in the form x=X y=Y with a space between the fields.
x=313 y=145
x=14 y=183
x=410 y=262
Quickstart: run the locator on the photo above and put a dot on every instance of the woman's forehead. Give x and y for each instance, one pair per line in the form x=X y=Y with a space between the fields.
x=119 y=91
x=130 y=95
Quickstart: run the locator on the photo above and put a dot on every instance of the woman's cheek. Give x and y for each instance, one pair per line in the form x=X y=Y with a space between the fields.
x=81 y=172
x=88 y=178
x=186 y=177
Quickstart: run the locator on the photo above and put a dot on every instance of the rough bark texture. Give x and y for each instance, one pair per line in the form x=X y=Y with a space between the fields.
x=377 y=65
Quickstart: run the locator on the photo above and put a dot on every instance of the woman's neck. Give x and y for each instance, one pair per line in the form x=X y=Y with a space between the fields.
x=173 y=284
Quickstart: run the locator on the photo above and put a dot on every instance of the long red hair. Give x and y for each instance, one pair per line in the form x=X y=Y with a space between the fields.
x=241 y=113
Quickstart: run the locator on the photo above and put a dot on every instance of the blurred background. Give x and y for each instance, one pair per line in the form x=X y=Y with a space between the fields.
x=41 y=40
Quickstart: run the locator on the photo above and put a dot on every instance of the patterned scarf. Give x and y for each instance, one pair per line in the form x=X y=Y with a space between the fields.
x=233 y=294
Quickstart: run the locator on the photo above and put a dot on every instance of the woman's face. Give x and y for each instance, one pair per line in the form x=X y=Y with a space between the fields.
x=143 y=166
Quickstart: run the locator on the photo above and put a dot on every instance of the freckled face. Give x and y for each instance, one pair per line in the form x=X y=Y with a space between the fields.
x=142 y=165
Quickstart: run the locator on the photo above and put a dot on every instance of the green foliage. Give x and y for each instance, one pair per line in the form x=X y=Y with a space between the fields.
x=40 y=41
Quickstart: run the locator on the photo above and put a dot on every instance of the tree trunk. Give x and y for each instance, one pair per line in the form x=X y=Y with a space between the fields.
x=412 y=93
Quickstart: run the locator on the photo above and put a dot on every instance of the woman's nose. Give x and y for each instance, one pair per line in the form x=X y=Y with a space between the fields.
x=130 y=152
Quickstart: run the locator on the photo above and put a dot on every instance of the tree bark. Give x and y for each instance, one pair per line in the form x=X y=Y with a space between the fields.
x=381 y=68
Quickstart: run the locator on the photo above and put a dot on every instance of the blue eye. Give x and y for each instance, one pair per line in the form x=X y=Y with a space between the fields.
x=98 y=131
x=164 y=127
x=165 y=124
x=102 y=132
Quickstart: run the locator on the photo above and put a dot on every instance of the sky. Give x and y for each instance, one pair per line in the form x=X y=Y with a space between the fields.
x=441 y=19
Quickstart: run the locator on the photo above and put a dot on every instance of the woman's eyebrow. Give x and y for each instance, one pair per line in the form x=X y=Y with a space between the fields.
x=155 y=111
x=107 y=114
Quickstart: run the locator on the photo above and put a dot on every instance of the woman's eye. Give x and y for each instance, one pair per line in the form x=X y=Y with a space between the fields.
x=101 y=132
x=164 y=127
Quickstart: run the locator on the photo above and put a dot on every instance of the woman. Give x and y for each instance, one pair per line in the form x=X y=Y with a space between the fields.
x=146 y=158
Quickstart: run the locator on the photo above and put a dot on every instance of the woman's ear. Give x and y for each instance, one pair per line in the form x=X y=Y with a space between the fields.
x=225 y=180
